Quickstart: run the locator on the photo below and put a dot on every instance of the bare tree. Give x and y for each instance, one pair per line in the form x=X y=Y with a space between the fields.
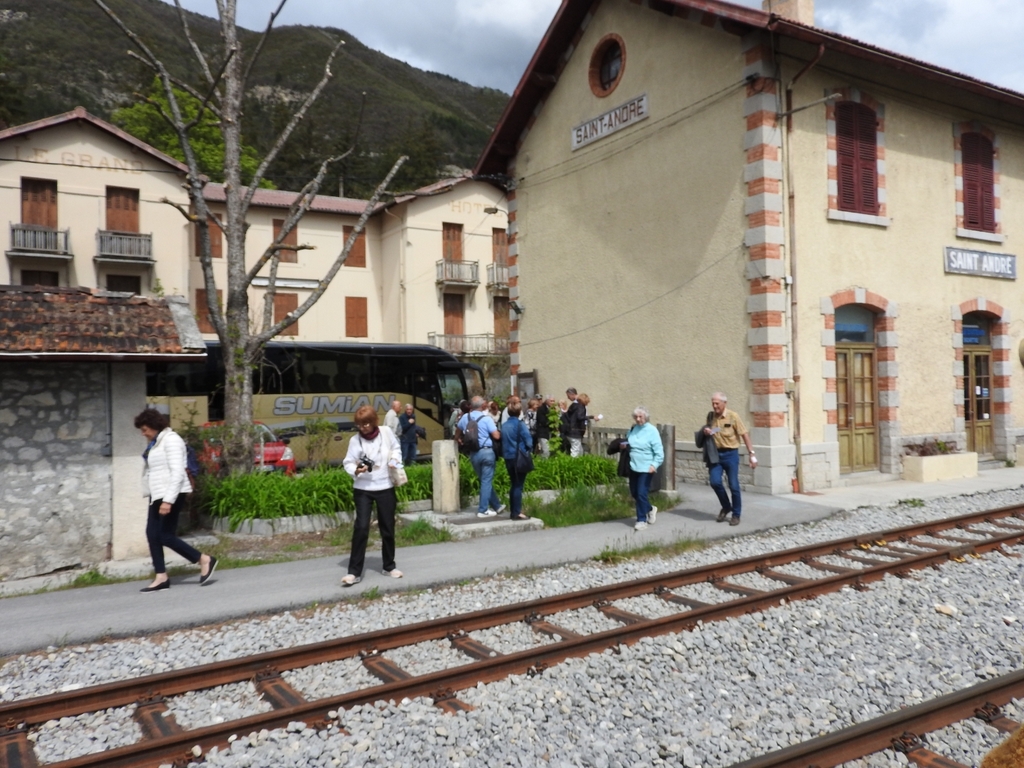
x=221 y=92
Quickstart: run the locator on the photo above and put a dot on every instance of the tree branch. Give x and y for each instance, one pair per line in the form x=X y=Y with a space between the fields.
x=267 y=334
x=204 y=104
x=192 y=43
x=259 y=46
x=181 y=209
x=296 y=119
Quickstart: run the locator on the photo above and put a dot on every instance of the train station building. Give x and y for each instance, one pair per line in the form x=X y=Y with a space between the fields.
x=711 y=197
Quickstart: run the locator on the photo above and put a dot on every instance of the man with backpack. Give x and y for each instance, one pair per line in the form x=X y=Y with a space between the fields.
x=476 y=432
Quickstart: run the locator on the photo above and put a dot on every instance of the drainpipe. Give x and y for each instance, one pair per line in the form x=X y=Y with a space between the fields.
x=791 y=222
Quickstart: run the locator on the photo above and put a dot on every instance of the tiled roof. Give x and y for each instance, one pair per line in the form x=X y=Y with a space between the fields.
x=79 y=323
x=279 y=198
x=79 y=113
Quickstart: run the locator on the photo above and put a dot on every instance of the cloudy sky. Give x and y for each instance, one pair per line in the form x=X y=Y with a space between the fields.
x=490 y=42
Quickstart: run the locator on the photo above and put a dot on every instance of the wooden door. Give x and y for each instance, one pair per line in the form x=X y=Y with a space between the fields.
x=978 y=400
x=454 y=321
x=39 y=202
x=122 y=209
x=451 y=235
x=501 y=317
x=857 y=410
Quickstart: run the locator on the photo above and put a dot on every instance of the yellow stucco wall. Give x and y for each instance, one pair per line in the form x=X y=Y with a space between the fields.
x=631 y=262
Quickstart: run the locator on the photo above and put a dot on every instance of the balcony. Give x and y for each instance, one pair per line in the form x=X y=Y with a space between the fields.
x=473 y=344
x=458 y=274
x=38 y=241
x=497 y=277
x=124 y=247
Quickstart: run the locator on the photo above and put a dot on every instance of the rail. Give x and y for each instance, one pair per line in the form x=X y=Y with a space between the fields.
x=470 y=344
x=33 y=237
x=464 y=272
x=125 y=245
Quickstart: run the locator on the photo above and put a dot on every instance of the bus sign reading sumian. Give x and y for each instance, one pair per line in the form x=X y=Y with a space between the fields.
x=623 y=116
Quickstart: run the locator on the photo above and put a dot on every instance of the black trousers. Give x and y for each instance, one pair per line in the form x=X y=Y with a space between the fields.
x=387 y=502
x=162 y=531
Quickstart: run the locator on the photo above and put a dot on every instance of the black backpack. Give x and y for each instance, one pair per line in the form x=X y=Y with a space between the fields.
x=471 y=434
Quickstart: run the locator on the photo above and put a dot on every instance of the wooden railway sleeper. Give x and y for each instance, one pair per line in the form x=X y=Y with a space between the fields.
x=16 y=751
x=993 y=715
x=671 y=597
x=151 y=715
x=461 y=641
x=785 y=578
x=445 y=700
x=618 y=614
x=911 y=745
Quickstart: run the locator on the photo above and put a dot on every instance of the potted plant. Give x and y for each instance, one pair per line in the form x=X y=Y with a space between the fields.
x=935 y=460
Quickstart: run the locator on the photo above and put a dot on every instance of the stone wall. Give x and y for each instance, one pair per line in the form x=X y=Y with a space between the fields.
x=55 y=469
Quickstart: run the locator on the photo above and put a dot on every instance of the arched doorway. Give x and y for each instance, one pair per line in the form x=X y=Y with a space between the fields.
x=977 y=336
x=856 y=388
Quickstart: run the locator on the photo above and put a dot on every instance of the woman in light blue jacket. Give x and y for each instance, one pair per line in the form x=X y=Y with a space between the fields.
x=645 y=456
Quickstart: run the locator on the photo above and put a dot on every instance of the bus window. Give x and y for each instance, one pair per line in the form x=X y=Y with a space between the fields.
x=451 y=387
x=425 y=388
x=391 y=376
x=474 y=381
x=276 y=373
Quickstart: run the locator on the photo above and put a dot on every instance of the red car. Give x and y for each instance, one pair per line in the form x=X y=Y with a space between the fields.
x=269 y=453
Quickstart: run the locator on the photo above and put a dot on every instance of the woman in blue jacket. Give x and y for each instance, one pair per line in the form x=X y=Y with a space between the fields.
x=515 y=436
x=645 y=456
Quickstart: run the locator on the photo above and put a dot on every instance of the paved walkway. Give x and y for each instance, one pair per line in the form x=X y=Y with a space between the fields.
x=81 y=615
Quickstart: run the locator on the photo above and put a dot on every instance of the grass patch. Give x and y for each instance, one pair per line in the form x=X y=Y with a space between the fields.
x=92 y=578
x=614 y=555
x=579 y=506
x=911 y=502
x=420 y=532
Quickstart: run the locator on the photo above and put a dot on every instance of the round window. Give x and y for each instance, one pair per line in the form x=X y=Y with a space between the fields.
x=607 y=64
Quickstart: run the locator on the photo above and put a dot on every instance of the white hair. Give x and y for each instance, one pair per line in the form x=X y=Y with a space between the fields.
x=720 y=396
x=641 y=410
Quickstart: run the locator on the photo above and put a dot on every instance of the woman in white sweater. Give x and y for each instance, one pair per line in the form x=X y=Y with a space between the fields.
x=370 y=452
x=165 y=481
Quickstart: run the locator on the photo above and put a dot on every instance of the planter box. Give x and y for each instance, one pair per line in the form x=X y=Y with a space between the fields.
x=930 y=469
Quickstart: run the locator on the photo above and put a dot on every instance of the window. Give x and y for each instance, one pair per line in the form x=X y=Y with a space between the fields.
x=283 y=304
x=203 y=313
x=857 y=158
x=216 y=239
x=499 y=246
x=454 y=314
x=855 y=324
x=122 y=209
x=39 y=277
x=355 y=317
x=978 y=157
x=124 y=283
x=977 y=330
x=357 y=256
x=39 y=202
x=287 y=255
x=607 y=63
x=451 y=236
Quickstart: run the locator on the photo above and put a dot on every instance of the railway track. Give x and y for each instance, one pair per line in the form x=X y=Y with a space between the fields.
x=851 y=562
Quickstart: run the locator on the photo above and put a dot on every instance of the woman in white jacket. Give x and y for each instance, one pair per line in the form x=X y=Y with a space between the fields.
x=370 y=452
x=166 y=483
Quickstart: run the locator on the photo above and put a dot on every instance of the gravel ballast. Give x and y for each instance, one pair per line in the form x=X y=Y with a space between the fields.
x=723 y=693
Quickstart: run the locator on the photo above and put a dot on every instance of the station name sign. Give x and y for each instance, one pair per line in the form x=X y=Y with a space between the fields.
x=623 y=116
x=981 y=263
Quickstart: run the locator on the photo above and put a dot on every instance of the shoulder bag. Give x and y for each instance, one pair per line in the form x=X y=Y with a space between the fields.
x=524 y=461
x=397 y=475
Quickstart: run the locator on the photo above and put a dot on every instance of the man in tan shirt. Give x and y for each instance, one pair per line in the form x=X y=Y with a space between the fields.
x=727 y=428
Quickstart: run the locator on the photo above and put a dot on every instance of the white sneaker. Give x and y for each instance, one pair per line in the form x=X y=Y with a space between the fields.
x=488 y=513
x=652 y=516
x=640 y=527
x=500 y=509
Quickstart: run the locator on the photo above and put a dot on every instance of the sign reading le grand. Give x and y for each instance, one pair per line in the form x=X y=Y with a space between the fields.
x=981 y=263
x=623 y=116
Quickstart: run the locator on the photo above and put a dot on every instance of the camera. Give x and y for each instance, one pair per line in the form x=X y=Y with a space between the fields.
x=366 y=462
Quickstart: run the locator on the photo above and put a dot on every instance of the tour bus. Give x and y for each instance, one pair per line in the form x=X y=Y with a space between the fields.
x=299 y=381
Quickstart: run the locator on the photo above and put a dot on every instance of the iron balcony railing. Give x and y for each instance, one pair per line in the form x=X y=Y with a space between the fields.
x=36 y=238
x=497 y=275
x=466 y=272
x=470 y=344
x=124 y=245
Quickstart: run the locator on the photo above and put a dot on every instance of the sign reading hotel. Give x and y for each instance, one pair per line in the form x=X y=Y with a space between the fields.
x=981 y=263
x=623 y=116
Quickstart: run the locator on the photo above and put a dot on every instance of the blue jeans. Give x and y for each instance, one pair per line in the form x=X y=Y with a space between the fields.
x=408 y=454
x=639 y=485
x=729 y=462
x=515 y=494
x=483 y=465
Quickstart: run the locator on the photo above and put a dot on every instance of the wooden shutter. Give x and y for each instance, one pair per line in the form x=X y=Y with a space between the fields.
x=501 y=317
x=451 y=236
x=978 y=160
x=857 y=157
x=357 y=256
x=499 y=246
x=283 y=304
x=122 y=209
x=216 y=239
x=288 y=256
x=454 y=314
x=355 y=317
x=39 y=202
x=203 y=313
x=40 y=277
x=125 y=283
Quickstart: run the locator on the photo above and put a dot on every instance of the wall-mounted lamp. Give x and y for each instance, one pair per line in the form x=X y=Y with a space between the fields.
x=518 y=308
x=492 y=209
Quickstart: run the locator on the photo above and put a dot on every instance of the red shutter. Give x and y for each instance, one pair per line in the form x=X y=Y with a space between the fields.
x=357 y=256
x=122 y=209
x=292 y=239
x=499 y=246
x=501 y=326
x=216 y=239
x=39 y=202
x=203 y=312
x=857 y=157
x=355 y=317
x=451 y=235
x=283 y=304
x=454 y=314
x=977 y=159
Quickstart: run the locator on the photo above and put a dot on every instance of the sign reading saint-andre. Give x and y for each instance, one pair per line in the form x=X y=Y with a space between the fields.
x=981 y=263
x=623 y=116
